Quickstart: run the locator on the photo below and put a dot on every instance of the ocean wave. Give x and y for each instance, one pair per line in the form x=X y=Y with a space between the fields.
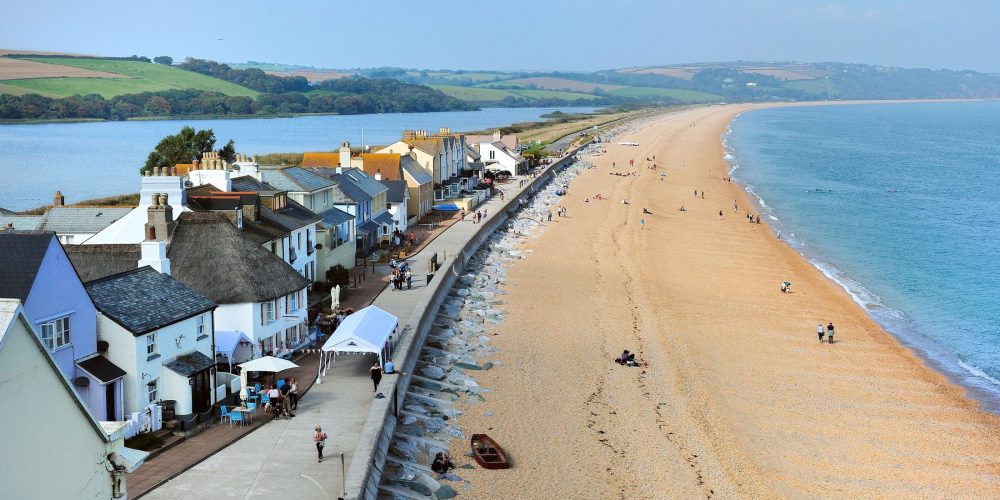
x=976 y=372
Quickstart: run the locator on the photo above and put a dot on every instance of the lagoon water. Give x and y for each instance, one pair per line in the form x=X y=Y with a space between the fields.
x=88 y=160
x=899 y=203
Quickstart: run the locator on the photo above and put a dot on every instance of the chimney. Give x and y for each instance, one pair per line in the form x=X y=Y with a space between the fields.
x=345 y=155
x=10 y=226
x=59 y=199
x=154 y=248
x=159 y=218
x=444 y=131
x=195 y=164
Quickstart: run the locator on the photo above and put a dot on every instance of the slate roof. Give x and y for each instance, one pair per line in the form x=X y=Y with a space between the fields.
x=249 y=183
x=4 y=211
x=188 y=364
x=98 y=261
x=385 y=164
x=364 y=181
x=102 y=368
x=354 y=192
x=21 y=254
x=208 y=254
x=384 y=218
x=295 y=179
x=20 y=222
x=335 y=217
x=471 y=152
x=397 y=191
x=337 y=193
x=81 y=219
x=430 y=146
x=144 y=300
x=412 y=168
x=368 y=227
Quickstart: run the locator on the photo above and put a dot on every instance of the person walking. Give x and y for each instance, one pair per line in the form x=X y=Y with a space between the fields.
x=319 y=437
x=463 y=215
x=294 y=393
x=376 y=374
x=819 y=332
x=409 y=280
x=549 y=216
x=829 y=332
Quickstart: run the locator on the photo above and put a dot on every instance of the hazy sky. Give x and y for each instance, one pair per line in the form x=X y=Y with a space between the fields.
x=516 y=34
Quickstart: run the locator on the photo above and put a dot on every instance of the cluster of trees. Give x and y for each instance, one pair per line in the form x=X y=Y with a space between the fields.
x=251 y=77
x=186 y=145
x=353 y=96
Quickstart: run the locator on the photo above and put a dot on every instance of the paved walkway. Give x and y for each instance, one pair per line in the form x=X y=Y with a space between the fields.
x=280 y=458
x=192 y=450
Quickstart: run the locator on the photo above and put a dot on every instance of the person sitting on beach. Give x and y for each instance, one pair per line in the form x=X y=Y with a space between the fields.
x=442 y=463
x=621 y=360
x=646 y=211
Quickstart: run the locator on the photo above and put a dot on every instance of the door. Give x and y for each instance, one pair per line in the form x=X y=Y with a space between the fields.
x=200 y=392
x=109 y=401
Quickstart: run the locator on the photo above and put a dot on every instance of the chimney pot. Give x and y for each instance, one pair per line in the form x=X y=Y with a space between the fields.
x=59 y=199
x=10 y=225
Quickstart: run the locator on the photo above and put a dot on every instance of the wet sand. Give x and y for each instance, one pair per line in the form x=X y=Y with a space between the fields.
x=739 y=398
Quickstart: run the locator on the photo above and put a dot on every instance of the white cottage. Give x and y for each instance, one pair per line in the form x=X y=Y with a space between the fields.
x=160 y=331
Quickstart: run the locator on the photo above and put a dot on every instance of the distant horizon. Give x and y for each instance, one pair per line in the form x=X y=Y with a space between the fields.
x=178 y=59
x=535 y=36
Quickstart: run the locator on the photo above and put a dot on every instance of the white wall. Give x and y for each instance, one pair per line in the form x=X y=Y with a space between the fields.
x=129 y=352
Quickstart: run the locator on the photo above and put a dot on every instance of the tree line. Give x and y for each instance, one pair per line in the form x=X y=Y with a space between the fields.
x=352 y=97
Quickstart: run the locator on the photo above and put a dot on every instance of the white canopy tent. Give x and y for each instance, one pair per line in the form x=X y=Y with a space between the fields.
x=366 y=331
x=227 y=341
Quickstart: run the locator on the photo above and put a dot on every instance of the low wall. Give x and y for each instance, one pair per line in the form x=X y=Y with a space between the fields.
x=365 y=472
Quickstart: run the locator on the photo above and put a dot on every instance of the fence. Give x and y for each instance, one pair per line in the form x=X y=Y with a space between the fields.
x=148 y=420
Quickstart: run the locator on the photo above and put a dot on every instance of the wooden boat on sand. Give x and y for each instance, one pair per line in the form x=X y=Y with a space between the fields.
x=487 y=453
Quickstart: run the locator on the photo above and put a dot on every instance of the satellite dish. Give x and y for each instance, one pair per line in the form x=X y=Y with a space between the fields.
x=81 y=381
x=188 y=184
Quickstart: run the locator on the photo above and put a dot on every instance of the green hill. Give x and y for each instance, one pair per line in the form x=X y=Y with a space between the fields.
x=653 y=93
x=140 y=77
x=483 y=94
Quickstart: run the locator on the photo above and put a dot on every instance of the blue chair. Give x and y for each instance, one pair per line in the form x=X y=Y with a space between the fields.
x=251 y=396
x=265 y=399
x=253 y=408
x=256 y=388
x=235 y=417
x=224 y=412
x=281 y=383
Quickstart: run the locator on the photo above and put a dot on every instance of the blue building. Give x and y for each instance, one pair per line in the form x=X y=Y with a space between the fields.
x=35 y=269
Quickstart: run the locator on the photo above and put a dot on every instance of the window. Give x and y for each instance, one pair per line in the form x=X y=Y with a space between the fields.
x=151 y=391
x=199 y=324
x=298 y=240
x=55 y=333
x=239 y=218
x=270 y=309
x=326 y=197
x=493 y=155
x=151 y=344
x=295 y=302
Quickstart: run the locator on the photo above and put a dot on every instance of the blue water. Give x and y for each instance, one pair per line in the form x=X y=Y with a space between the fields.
x=899 y=203
x=88 y=160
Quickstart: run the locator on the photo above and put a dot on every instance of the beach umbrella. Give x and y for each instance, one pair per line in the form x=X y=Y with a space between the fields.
x=787 y=284
x=265 y=364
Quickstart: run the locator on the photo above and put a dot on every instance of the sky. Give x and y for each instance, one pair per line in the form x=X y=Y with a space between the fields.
x=559 y=35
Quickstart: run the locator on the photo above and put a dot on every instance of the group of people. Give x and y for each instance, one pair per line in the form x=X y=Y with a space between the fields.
x=401 y=273
x=628 y=359
x=753 y=219
x=702 y=193
x=626 y=174
x=282 y=400
x=829 y=330
x=476 y=217
x=561 y=211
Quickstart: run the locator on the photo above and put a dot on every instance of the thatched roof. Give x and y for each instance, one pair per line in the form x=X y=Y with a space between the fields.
x=94 y=262
x=209 y=255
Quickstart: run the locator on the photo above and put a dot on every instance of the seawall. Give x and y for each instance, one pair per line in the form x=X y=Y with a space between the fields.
x=364 y=474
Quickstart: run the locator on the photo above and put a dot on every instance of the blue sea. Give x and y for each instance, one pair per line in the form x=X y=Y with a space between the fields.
x=900 y=204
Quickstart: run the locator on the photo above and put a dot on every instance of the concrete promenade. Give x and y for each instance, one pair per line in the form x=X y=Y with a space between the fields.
x=280 y=457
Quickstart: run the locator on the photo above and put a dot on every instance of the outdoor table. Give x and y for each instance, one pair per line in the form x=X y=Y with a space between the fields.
x=247 y=414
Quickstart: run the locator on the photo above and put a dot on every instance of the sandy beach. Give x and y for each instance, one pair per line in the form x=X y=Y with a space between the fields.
x=739 y=398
